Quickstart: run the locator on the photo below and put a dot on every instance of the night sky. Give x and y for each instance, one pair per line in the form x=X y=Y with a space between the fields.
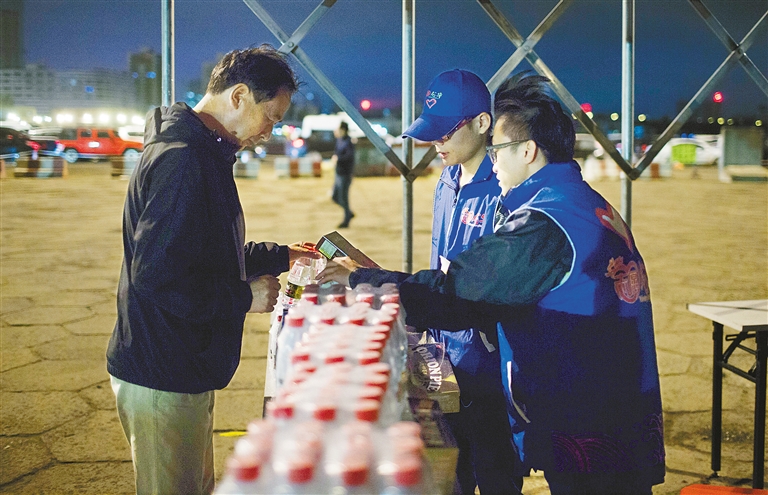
x=358 y=44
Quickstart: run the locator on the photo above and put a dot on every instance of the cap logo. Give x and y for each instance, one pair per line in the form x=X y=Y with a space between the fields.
x=432 y=97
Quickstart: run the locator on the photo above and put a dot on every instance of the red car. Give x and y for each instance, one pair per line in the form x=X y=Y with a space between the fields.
x=96 y=143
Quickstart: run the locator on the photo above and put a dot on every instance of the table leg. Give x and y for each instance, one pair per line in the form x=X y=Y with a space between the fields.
x=758 y=468
x=717 y=395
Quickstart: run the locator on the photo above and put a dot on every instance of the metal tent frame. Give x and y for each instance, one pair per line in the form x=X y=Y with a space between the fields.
x=524 y=51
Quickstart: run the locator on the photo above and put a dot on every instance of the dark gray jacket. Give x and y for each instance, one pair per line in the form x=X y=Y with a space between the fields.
x=183 y=295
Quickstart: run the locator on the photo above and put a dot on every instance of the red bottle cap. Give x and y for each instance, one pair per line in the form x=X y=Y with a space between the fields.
x=298 y=376
x=301 y=471
x=372 y=346
x=383 y=318
x=280 y=409
x=371 y=393
x=367 y=410
x=407 y=471
x=377 y=337
x=335 y=356
x=368 y=357
x=294 y=320
x=354 y=473
x=393 y=298
x=244 y=468
x=381 y=368
x=376 y=379
x=379 y=328
x=325 y=412
x=366 y=297
x=391 y=308
x=300 y=354
x=339 y=298
x=305 y=367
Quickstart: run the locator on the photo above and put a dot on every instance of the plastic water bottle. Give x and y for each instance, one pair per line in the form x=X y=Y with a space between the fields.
x=302 y=273
x=349 y=460
x=295 y=463
x=243 y=476
x=365 y=293
x=291 y=334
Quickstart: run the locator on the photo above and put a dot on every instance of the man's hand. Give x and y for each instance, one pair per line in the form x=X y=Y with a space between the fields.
x=338 y=270
x=265 y=290
x=302 y=250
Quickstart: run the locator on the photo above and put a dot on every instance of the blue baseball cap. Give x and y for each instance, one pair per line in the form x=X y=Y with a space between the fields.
x=452 y=96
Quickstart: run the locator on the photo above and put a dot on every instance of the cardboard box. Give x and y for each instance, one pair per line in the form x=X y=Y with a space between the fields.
x=431 y=376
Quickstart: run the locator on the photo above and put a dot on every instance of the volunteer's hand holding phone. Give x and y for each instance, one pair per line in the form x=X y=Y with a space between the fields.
x=338 y=270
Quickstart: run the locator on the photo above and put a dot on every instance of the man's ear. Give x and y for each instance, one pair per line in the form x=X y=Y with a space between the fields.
x=531 y=150
x=237 y=95
x=484 y=122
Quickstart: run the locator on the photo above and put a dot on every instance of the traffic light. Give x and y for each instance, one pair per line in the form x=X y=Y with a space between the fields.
x=365 y=104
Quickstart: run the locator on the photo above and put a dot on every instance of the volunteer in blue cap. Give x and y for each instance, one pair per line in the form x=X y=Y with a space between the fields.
x=456 y=118
x=563 y=276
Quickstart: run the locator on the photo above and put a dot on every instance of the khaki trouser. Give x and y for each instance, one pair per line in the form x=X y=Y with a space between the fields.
x=171 y=438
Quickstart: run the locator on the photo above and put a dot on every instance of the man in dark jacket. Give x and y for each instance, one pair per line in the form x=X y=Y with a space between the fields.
x=188 y=277
x=344 y=157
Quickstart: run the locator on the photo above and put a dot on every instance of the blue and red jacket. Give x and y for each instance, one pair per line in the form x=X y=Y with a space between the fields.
x=579 y=367
x=460 y=217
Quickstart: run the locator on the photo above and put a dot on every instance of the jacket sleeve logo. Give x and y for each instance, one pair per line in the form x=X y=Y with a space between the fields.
x=630 y=280
x=611 y=219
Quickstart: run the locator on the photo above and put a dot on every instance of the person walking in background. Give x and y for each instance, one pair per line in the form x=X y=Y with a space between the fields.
x=188 y=278
x=457 y=120
x=344 y=160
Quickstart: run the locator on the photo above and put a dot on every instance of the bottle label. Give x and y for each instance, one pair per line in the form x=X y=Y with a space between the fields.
x=293 y=291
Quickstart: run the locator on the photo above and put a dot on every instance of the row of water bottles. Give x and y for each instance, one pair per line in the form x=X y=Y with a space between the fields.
x=280 y=455
x=333 y=424
x=331 y=332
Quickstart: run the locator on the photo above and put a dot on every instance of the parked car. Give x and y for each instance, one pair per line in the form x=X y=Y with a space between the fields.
x=132 y=133
x=696 y=150
x=85 y=142
x=323 y=142
x=14 y=144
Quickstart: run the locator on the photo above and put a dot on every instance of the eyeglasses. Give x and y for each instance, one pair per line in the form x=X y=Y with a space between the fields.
x=492 y=150
x=454 y=130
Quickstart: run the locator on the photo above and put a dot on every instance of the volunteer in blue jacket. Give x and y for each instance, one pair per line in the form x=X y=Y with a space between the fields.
x=565 y=279
x=188 y=277
x=456 y=118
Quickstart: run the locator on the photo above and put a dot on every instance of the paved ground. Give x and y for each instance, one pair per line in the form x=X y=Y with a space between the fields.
x=60 y=254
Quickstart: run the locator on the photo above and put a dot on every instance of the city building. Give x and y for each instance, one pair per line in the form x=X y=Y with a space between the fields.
x=11 y=40
x=45 y=90
x=40 y=96
x=145 y=68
